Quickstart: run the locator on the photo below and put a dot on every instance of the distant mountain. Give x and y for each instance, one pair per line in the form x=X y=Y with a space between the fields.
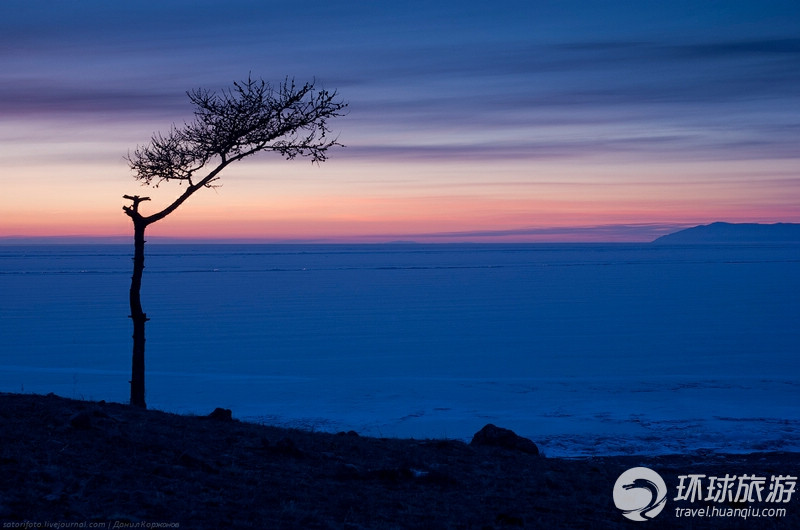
x=733 y=233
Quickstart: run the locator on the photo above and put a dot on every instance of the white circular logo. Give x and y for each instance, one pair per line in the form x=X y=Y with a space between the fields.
x=640 y=493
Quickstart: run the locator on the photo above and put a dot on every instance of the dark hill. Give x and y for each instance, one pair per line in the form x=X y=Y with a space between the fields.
x=734 y=233
x=77 y=464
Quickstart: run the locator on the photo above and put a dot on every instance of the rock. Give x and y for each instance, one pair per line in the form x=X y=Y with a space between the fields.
x=287 y=447
x=347 y=472
x=438 y=478
x=81 y=420
x=190 y=460
x=351 y=434
x=493 y=436
x=221 y=415
x=393 y=474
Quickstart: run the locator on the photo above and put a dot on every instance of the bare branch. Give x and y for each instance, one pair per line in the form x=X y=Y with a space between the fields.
x=229 y=125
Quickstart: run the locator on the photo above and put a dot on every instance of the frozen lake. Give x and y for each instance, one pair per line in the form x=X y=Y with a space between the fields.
x=586 y=349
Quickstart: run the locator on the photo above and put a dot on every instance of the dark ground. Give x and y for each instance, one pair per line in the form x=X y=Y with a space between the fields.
x=78 y=463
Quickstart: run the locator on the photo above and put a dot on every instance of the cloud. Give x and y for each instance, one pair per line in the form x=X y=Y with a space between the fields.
x=716 y=99
x=599 y=233
x=777 y=47
x=466 y=85
x=654 y=146
x=36 y=98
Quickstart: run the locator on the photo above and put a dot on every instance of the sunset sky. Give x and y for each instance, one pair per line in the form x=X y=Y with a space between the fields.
x=468 y=121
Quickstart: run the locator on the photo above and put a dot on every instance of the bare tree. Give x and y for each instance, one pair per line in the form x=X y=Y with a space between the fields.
x=250 y=117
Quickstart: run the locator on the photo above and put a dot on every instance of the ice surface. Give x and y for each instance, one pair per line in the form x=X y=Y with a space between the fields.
x=586 y=349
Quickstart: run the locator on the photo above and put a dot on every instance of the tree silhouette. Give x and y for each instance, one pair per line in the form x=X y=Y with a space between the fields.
x=229 y=125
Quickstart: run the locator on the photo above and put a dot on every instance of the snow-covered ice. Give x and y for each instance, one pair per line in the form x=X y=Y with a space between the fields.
x=586 y=349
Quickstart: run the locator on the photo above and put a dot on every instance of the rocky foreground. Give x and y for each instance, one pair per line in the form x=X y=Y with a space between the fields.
x=77 y=464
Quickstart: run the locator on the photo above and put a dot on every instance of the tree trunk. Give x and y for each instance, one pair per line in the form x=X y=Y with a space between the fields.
x=138 y=316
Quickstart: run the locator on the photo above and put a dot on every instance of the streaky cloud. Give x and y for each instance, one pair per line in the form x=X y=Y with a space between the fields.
x=51 y=97
x=687 y=147
x=597 y=233
x=739 y=48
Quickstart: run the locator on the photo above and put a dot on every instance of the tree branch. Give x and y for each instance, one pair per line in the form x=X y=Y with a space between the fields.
x=133 y=210
x=232 y=124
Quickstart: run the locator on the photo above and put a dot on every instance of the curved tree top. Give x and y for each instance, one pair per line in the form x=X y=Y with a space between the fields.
x=231 y=124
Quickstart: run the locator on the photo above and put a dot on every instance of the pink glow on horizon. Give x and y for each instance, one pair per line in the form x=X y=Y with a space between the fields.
x=345 y=201
x=457 y=222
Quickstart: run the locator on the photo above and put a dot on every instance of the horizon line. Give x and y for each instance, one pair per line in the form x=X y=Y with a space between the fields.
x=614 y=233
